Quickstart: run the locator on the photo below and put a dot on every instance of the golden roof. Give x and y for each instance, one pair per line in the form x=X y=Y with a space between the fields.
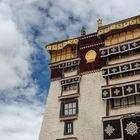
x=61 y=45
x=118 y=25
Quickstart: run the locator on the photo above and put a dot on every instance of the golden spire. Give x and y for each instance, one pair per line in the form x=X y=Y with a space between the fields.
x=99 y=21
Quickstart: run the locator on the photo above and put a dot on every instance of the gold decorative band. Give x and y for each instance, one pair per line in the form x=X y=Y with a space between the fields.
x=119 y=25
x=60 y=46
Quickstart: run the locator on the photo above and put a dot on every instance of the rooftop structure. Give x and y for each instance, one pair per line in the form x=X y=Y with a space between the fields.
x=95 y=85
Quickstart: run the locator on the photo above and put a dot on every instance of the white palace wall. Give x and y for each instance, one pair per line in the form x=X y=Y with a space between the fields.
x=92 y=108
x=51 y=127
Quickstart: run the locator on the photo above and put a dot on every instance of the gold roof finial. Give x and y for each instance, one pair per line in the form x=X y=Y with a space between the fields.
x=99 y=21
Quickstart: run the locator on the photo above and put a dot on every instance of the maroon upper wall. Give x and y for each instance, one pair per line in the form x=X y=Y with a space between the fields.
x=87 y=43
x=55 y=72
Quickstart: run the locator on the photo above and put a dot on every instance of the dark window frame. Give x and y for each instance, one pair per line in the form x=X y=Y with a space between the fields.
x=63 y=109
x=69 y=87
x=123 y=55
x=68 y=128
x=125 y=74
x=71 y=69
x=128 y=102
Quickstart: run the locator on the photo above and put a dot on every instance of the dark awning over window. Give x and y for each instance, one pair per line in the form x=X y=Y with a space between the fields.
x=127 y=128
x=121 y=90
x=112 y=129
x=121 y=68
x=121 y=48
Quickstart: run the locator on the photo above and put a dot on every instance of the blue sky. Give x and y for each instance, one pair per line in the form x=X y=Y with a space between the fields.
x=26 y=26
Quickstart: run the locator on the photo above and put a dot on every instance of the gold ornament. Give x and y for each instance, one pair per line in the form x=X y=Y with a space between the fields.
x=60 y=46
x=116 y=26
x=90 y=56
x=99 y=21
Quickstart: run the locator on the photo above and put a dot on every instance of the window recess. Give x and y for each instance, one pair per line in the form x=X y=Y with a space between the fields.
x=125 y=101
x=69 y=108
x=68 y=127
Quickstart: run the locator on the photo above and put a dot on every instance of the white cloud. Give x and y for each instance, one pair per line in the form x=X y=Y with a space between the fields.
x=18 y=119
x=20 y=122
x=14 y=52
x=53 y=21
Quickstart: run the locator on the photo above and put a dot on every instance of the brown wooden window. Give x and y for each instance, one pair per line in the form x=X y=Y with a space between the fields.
x=114 y=76
x=69 y=108
x=70 y=69
x=113 y=57
x=70 y=87
x=125 y=74
x=126 y=101
x=124 y=55
x=68 y=128
x=66 y=53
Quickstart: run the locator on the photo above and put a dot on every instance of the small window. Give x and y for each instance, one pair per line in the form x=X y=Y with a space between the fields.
x=138 y=99
x=68 y=128
x=113 y=57
x=70 y=69
x=137 y=72
x=135 y=52
x=124 y=55
x=116 y=102
x=125 y=74
x=69 y=108
x=70 y=87
x=131 y=100
x=75 y=86
x=68 y=50
x=114 y=76
x=126 y=101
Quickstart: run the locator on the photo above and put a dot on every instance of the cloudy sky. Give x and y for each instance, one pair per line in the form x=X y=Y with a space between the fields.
x=25 y=27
